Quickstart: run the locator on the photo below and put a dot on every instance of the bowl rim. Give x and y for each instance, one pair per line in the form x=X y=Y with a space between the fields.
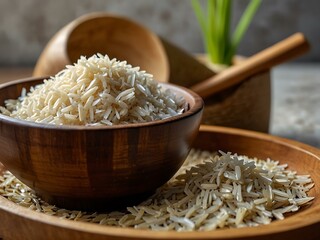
x=301 y=221
x=196 y=105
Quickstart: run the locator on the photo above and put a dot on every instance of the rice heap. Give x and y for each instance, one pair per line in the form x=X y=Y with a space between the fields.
x=96 y=91
x=209 y=192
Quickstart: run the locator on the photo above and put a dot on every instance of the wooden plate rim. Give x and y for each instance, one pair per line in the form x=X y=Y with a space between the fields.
x=273 y=228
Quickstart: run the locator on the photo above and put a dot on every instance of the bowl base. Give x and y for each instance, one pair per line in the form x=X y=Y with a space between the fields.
x=95 y=204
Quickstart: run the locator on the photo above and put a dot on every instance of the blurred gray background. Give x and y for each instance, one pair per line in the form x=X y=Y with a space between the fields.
x=26 y=26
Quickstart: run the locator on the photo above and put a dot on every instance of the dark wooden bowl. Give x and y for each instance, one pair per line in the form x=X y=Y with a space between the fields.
x=21 y=223
x=85 y=167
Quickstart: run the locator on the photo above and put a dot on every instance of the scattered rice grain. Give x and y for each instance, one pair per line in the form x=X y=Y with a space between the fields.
x=193 y=199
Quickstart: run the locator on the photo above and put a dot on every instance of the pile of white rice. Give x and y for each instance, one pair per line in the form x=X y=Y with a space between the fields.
x=209 y=192
x=96 y=91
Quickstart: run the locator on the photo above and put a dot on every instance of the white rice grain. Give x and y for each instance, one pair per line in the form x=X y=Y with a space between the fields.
x=192 y=201
x=99 y=91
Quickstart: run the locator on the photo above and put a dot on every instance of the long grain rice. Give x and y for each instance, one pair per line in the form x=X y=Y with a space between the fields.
x=194 y=199
x=96 y=91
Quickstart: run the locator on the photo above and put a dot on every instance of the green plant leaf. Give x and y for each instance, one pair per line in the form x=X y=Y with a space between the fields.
x=224 y=14
x=211 y=28
x=204 y=26
x=215 y=27
x=243 y=25
x=199 y=14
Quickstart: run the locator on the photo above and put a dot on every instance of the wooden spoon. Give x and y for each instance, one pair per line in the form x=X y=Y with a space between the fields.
x=283 y=51
x=103 y=33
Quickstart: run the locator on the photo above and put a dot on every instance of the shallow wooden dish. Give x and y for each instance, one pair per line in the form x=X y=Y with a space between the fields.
x=18 y=222
x=87 y=167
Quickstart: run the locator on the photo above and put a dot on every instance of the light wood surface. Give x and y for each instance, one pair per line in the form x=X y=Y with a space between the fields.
x=185 y=69
x=281 y=52
x=86 y=167
x=103 y=33
x=13 y=73
x=21 y=223
x=246 y=105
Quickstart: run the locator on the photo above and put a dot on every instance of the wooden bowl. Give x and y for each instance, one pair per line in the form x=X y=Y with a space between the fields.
x=246 y=105
x=18 y=222
x=103 y=33
x=86 y=167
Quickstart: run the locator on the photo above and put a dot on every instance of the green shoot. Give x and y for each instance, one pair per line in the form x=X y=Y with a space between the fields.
x=215 y=23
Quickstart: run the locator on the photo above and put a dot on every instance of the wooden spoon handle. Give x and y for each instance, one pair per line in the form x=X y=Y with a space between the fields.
x=285 y=50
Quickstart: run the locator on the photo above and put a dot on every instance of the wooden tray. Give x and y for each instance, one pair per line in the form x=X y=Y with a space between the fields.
x=21 y=223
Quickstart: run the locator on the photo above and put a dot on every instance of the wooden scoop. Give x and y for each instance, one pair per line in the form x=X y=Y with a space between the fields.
x=103 y=33
x=283 y=51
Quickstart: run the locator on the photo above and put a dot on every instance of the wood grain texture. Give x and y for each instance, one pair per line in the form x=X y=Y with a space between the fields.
x=18 y=222
x=103 y=33
x=185 y=69
x=88 y=166
x=246 y=105
x=283 y=51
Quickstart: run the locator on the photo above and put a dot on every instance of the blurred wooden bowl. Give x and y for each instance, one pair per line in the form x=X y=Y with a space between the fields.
x=103 y=33
x=303 y=224
x=86 y=167
x=250 y=107
x=246 y=105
